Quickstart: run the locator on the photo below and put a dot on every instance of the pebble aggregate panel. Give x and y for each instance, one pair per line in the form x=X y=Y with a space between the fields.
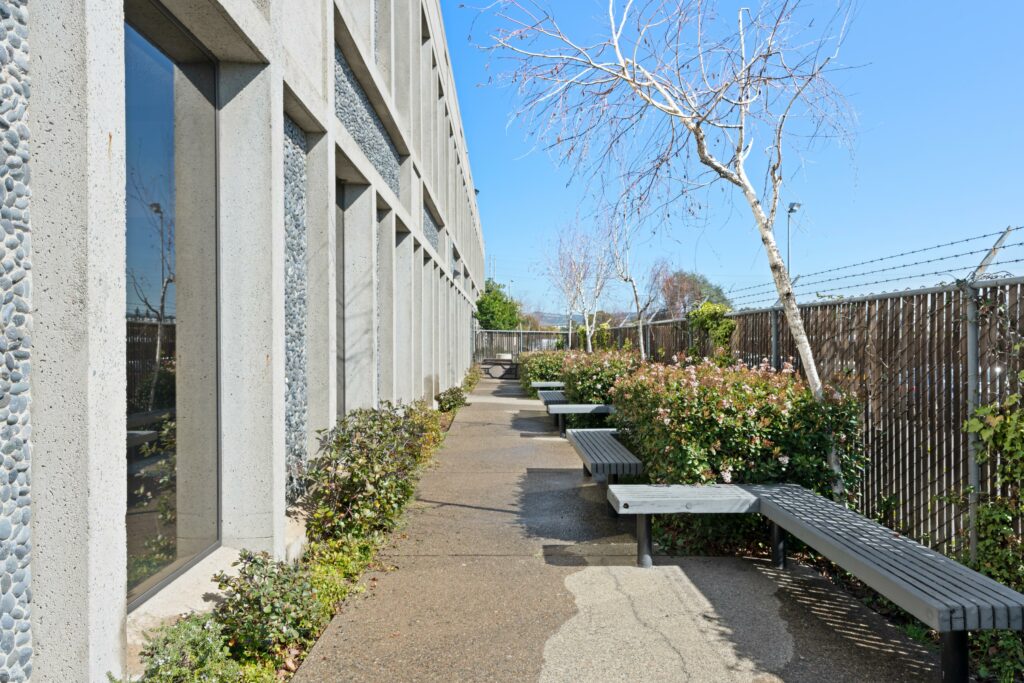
x=353 y=109
x=430 y=228
x=295 y=304
x=15 y=347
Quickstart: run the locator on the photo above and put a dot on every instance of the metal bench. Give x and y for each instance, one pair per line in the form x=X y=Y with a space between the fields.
x=644 y=501
x=604 y=454
x=552 y=397
x=547 y=385
x=942 y=593
x=560 y=410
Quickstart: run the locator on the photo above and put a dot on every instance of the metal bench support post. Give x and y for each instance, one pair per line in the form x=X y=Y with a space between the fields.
x=778 y=543
x=561 y=424
x=955 y=668
x=644 y=543
x=586 y=472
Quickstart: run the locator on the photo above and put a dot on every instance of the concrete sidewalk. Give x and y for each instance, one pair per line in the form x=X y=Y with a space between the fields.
x=513 y=568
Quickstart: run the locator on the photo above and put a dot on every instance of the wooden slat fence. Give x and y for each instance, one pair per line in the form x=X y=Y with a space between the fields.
x=494 y=343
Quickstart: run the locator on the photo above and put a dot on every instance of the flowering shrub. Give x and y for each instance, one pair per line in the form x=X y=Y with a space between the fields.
x=589 y=377
x=703 y=424
x=540 y=366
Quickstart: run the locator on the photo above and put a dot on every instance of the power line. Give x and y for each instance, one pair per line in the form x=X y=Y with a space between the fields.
x=878 y=260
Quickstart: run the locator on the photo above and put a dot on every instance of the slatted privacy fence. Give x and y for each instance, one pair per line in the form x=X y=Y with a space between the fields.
x=141 y=361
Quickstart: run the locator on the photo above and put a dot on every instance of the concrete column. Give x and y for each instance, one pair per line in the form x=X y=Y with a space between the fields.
x=386 y=295
x=405 y=293
x=321 y=321
x=78 y=379
x=359 y=299
x=251 y=188
x=195 y=229
x=417 y=315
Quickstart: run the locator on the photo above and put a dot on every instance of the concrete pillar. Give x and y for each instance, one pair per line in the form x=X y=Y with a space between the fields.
x=417 y=314
x=358 y=301
x=386 y=295
x=250 y=145
x=195 y=229
x=321 y=321
x=78 y=379
x=405 y=292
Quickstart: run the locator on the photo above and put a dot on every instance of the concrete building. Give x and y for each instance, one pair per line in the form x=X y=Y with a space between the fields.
x=226 y=223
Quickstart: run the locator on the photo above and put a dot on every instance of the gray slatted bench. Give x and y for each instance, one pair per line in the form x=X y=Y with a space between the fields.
x=547 y=385
x=552 y=397
x=942 y=593
x=644 y=501
x=604 y=454
x=560 y=410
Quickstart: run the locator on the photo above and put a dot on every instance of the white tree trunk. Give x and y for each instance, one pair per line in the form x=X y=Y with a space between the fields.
x=639 y=321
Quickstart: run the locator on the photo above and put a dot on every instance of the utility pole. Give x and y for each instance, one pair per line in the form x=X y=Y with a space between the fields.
x=970 y=291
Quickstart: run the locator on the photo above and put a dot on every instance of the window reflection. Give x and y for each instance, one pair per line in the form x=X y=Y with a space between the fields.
x=172 y=514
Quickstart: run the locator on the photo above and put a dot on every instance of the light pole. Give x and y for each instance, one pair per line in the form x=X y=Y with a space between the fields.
x=793 y=208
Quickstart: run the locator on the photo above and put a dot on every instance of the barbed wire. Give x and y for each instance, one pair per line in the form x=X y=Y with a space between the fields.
x=764 y=302
x=760 y=295
x=879 y=259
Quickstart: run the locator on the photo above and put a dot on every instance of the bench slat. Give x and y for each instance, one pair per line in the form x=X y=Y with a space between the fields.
x=547 y=385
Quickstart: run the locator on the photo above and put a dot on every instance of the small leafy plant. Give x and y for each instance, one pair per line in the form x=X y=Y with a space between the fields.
x=194 y=649
x=268 y=608
x=450 y=400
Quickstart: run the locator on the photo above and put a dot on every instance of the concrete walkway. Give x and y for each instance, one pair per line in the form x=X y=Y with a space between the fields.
x=512 y=568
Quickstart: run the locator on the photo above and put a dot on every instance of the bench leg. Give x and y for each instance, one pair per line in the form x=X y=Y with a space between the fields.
x=561 y=424
x=778 y=544
x=586 y=472
x=644 y=543
x=955 y=668
x=613 y=479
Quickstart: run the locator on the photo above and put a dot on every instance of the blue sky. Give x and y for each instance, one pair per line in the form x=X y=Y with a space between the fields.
x=938 y=156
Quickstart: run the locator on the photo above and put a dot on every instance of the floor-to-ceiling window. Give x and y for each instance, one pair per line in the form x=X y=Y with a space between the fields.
x=171 y=317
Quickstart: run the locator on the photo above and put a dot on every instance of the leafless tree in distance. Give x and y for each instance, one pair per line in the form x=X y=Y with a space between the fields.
x=620 y=235
x=688 y=96
x=581 y=269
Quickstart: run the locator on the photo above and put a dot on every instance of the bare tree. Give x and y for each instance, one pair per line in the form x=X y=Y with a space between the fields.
x=620 y=235
x=581 y=269
x=687 y=97
x=681 y=292
x=155 y=303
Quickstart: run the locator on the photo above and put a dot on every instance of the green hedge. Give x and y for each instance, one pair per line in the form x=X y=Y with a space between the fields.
x=540 y=366
x=589 y=377
x=703 y=424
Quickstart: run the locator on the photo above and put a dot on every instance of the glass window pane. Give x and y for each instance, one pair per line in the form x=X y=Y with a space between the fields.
x=172 y=514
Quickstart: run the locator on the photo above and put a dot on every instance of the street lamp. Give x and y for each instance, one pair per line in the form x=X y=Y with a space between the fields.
x=793 y=208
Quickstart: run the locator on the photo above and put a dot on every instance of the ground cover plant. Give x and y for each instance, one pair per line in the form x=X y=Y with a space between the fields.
x=540 y=366
x=702 y=423
x=357 y=487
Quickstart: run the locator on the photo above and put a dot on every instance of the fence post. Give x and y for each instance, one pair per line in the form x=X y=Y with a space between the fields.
x=973 y=385
x=776 y=360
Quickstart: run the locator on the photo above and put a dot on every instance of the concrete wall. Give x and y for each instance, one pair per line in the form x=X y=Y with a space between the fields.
x=342 y=186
